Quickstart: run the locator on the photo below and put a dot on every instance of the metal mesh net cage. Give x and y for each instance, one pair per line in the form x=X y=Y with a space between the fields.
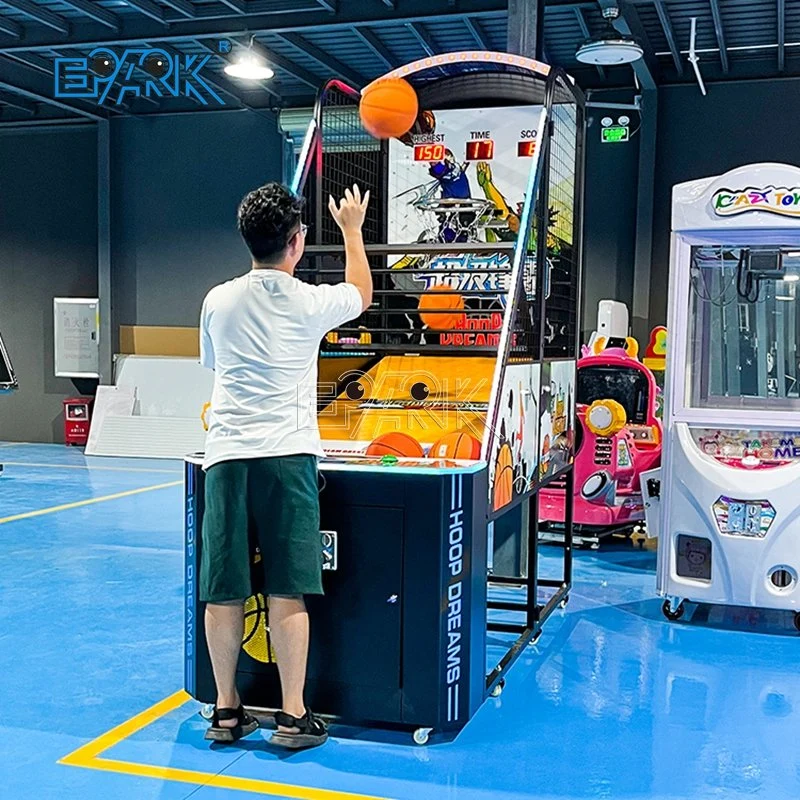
x=562 y=180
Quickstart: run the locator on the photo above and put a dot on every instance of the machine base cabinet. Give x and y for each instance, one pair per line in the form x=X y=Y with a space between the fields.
x=399 y=637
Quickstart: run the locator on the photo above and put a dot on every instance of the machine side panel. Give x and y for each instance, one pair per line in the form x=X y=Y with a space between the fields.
x=422 y=604
x=198 y=678
x=479 y=556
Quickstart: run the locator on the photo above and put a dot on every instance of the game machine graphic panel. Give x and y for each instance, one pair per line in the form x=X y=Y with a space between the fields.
x=729 y=530
x=406 y=390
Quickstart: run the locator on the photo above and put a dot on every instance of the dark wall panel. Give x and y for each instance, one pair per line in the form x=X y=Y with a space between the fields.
x=176 y=184
x=736 y=124
x=610 y=217
x=48 y=248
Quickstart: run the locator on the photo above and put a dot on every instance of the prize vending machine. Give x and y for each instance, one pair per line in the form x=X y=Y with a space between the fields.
x=730 y=510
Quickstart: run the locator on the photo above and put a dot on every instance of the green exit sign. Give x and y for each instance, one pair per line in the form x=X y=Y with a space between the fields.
x=615 y=133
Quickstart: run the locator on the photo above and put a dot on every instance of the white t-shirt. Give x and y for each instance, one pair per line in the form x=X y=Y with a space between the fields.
x=260 y=333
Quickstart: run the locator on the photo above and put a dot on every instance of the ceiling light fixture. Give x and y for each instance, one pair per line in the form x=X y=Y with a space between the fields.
x=610 y=47
x=249 y=66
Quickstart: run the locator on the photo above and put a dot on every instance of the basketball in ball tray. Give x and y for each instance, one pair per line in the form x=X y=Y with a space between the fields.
x=395 y=443
x=458 y=444
x=388 y=108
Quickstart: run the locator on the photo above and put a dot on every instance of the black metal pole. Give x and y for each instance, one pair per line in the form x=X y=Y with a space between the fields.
x=569 y=504
x=533 y=562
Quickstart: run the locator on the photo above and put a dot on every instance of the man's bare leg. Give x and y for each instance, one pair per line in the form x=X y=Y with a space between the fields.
x=224 y=632
x=288 y=627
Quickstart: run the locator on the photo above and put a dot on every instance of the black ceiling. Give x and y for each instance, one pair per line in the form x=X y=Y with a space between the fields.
x=307 y=41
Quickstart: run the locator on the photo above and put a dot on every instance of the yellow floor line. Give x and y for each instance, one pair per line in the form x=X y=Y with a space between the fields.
x=222 y=781
x=91 y=501
x=126 y=729
x=89 y=466
x=87 y=756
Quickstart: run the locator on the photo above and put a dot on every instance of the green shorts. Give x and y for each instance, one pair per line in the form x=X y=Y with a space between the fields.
x=267 y=503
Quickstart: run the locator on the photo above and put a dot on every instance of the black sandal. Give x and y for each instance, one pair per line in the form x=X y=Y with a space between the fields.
x=245 y=725
x=312 y=731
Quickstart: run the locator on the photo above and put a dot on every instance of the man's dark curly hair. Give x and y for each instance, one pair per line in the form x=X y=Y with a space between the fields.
x=267 y=218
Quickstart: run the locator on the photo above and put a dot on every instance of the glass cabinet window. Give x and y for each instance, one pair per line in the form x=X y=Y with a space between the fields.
x=743 y=328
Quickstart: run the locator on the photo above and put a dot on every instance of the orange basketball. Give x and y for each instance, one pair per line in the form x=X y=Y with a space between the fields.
x=456 y=445
x=503 y=477
x=388 y=108
x=395 y=443
x=441 y=299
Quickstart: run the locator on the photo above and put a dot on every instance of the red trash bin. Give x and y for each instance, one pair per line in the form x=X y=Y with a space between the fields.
x=77 y=418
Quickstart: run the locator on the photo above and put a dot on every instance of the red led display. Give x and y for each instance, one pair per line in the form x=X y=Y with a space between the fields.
x=429 y=152
x=526 y=149
x=480 y=150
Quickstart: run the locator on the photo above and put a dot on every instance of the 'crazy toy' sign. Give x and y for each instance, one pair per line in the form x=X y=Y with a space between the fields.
x=775 y=200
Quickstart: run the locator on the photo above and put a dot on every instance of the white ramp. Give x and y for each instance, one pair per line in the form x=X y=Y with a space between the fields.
x=154 y=409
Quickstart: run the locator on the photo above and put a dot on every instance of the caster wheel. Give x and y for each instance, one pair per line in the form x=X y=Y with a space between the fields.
x=594 y=546
x=535 y=639
x=207 y=711
x=670 y=614
x=497 y=690
x=797 y=620
x=564 y=602
x=422 y=735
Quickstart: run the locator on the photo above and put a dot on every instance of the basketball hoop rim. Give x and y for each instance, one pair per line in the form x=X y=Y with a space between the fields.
x=473 y=57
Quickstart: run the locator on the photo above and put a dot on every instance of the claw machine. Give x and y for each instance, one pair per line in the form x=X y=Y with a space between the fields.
x=730 y=510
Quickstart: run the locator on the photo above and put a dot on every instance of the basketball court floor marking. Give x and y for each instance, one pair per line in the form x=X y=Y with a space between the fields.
x=91 y=501
x=90 y=467
x=88 y=757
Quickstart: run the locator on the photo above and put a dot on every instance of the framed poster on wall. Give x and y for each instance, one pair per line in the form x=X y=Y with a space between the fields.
x=77 y=337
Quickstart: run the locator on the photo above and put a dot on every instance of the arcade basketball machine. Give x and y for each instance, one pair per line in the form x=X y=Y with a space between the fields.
x=731 y=467
x=433 y=404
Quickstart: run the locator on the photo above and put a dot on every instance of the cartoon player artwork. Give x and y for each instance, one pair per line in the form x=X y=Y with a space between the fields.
x=514 y=452
x=558 y=413
x=503 y=225
x=439 y=194
x=451 y=177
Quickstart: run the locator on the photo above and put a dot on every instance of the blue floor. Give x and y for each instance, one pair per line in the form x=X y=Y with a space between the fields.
x=613 y=701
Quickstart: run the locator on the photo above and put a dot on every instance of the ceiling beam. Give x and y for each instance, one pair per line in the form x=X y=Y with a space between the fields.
x=39 y=14
x=328 y=5
x=586 y=35
x=421 y=35
x=32 y=84
x=629 y=23
x=666 y=25
x=389 y=4
x=368 y=38
x=17 y=102
x=781 y=35
x=149 y=9
x=287 y=65
x=93 y=11
x=477 y=34
x=239 y=6
x=182 y=7
x=44 y=65
x=136 y=29
x=324 y=59
x=11 y=28
x=720 y=32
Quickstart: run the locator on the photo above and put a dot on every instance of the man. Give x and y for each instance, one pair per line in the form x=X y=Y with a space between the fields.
x=260 y=333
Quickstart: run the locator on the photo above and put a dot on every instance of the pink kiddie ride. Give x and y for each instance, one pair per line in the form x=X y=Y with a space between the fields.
x=618 y=438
